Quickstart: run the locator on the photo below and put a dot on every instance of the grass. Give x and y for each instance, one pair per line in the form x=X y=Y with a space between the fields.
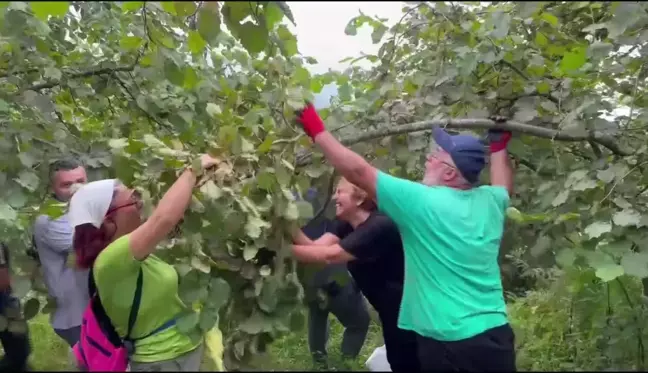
x=51 y=353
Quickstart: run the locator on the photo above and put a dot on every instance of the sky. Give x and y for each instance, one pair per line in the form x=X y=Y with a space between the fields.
x=320 y=34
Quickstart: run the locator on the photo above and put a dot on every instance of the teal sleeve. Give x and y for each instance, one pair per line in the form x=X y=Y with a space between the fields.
x=500 y=195
x=398 y=197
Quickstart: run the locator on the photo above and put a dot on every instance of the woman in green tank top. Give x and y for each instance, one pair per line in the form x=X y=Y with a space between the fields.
x=110 y=238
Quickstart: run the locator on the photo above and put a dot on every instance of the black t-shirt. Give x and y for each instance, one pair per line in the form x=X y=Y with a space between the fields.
x=379 y=268
x=328 y=273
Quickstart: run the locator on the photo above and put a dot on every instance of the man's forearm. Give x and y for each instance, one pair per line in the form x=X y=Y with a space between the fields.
x=350 y=165
x=501 y=171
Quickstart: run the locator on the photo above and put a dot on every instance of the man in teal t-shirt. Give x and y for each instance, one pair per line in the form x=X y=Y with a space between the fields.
x=451 y=231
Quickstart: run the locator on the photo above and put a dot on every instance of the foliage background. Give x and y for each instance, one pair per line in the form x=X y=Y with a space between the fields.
x=138 y=89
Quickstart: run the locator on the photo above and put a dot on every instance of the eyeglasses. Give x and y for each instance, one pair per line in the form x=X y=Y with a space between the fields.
x=433 y=155
x=136 y=200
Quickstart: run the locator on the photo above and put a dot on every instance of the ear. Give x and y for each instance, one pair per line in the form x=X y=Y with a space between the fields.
x=450 y=174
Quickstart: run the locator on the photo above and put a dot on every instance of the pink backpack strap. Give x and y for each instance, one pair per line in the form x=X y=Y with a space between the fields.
x=127 y=341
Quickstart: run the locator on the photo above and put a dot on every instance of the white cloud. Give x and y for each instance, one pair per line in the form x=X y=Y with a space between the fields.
x=320 y=29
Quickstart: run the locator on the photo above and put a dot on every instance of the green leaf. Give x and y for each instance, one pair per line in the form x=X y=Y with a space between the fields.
x=173 y=73
x=195 y=42
x=52 y=73
x=28 y=180
x=268 y=299
x=254 y=226
x=305 y=209
x=7 y=213
x=635 y=264
x=253 y=324
x=501 y=22
x=44 y=9
x=626 y=218
x=184 y=8
x=219 y=292
x=273 y=14
x=598 y=228
x=209 y=25
x=560 y=198
x=573 y=60
x=187 y=322
x=254 y=38
x=197 y=167
x=351 y=28
x=31 y=308
x=292 y=212
x=609 y=272
x=514 y=214
x=286 y=10
x=131 y=42
x=541 y=246
x=208 y=318
x=169 y=7
x=213 y=109
x=550 y=18
x=130 y=6
x=191 y=78
x=249 y=252
x=565 y=258
x=200 y=265
x=378 y=33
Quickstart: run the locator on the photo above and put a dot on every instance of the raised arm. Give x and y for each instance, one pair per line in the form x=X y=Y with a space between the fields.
x=349 y=164
x=167 y=214
x=501 y=171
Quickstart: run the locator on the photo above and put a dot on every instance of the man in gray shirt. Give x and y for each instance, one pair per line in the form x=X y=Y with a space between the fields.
x=53 y=240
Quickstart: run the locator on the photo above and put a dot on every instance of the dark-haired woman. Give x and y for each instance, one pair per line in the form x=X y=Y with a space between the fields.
x=110 y=238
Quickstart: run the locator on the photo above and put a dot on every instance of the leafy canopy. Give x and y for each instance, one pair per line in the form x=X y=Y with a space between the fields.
x=138 y=89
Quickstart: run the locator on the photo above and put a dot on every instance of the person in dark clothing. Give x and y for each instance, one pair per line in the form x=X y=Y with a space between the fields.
x=370 y=244
x=332 y=290
x=15 y=339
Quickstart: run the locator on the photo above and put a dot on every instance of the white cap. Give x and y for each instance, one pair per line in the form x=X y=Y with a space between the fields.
x=91 y=202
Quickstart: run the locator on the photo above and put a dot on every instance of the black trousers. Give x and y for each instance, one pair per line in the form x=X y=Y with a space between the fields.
x=348 y=306
x=490 y=351
x=401 y=345
x=15 y=344
x=71 y=335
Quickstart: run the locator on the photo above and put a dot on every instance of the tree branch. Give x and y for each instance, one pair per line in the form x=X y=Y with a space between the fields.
x=596 y=137
x=94 y=72
x=6 y=74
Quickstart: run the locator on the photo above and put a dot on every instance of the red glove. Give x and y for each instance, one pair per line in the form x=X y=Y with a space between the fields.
x=310 y=121
x=498 y=140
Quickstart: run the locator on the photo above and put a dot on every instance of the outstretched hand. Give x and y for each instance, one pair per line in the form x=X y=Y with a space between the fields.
x=498 y=138
x=207 y=161
x=310 y=121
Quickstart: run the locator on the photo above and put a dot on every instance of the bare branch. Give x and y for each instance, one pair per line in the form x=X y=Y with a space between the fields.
x=6 y=74
x=596 y=137
x=85 y=74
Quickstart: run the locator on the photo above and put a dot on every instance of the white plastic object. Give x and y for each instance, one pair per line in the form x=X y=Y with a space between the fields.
x=377 y=362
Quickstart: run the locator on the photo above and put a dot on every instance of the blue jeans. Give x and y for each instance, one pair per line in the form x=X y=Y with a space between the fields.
x=16 y=345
